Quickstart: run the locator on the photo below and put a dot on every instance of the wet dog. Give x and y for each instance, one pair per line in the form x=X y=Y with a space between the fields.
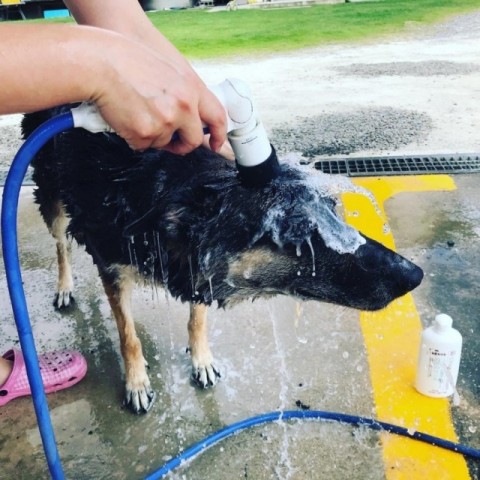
x=188 y=224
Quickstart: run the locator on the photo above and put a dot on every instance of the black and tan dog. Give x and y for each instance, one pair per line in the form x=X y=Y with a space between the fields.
x=188 y=223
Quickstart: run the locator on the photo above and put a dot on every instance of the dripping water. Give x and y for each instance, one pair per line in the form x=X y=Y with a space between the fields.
x=309 y=243
x=154 y=280
x=156 y=241
x=284 y=463
x=132 y=245
x=211 y=287
x=191 y=275
x=130 y=250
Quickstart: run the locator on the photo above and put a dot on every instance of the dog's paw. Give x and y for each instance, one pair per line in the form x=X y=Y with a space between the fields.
x=63 y=299
x=205 y=376
x=139 y=400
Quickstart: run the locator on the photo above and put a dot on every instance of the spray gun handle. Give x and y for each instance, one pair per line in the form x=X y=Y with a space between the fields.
x=87 y=116
x=256 y=159
x=243 y=126
x=246 y=133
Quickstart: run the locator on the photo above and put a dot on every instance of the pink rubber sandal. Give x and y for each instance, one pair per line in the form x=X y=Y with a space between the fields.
x=59 y=370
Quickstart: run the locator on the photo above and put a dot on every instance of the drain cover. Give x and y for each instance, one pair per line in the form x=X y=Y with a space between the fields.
x=373 y=166
x=404 y=165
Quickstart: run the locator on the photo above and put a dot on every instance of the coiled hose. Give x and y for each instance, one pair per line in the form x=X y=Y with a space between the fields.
x=11 y=194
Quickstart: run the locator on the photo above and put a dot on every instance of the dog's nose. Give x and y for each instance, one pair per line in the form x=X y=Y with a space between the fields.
x=410 y=275
x=413 y=276
x=402 y=273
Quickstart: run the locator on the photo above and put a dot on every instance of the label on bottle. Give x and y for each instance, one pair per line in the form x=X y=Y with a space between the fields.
x=439 y=371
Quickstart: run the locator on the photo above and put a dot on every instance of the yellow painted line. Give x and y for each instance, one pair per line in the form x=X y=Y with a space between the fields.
x=392 y=339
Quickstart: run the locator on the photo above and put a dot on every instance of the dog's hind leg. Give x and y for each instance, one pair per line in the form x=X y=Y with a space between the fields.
x=57 y=223
x=204 y=373
x=139 y=395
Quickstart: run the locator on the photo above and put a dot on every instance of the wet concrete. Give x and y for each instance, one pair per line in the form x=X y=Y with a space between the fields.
x=272 y=353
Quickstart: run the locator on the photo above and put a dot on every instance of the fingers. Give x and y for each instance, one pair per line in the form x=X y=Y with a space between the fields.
x=179 y=132
x=214 y=116
x=209 y=111
x=225 y=150
x=188 y=133
x=147 y=99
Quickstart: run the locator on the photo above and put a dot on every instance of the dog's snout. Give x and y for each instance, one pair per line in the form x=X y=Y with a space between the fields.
x=409 y=275
x=403 y=273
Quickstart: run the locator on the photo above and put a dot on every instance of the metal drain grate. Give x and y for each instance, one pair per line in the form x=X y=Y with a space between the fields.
x=405 y=165
x=373 y=166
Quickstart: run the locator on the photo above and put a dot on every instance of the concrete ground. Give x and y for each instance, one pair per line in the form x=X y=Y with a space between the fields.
x=415 y=93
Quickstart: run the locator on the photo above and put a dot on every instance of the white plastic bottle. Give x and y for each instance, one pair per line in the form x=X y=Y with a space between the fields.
x=439 y=358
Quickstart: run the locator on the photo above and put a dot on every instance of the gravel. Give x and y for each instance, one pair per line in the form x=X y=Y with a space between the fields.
x=345 y=133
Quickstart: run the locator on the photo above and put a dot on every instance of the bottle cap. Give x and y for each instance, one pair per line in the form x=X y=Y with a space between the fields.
x=443 y=321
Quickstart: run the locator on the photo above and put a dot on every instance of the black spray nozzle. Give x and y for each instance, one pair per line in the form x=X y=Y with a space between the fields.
x=259 y=175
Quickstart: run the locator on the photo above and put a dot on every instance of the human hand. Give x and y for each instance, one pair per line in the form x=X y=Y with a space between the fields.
x=145 y=98
x=225 y=150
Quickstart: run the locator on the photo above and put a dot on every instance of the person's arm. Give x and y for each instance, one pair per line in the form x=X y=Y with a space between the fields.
x=128 y=18
x=144 y=97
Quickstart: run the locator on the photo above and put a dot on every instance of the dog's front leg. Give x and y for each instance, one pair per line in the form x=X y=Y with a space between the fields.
x=57 y=222
x=204 y=373
x=139 y=395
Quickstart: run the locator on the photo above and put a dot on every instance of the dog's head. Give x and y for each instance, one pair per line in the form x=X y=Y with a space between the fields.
x=285 y=238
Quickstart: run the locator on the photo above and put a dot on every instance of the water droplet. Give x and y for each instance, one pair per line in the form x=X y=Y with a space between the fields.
x=472 y=429
x=345 y=354
x=211 y=287
x=299 y=273
x=386 y=229
x=309 y=242
x=411 y=431
x=359 y=368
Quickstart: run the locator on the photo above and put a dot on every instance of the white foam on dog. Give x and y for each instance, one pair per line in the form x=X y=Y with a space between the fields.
x=305 y=209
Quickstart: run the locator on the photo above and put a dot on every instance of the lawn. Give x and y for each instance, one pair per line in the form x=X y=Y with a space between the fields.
x=202 y=34
x=199 y=33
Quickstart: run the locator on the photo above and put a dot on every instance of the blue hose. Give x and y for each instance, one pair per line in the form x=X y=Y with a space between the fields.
x=226 y=432
x=11 y=194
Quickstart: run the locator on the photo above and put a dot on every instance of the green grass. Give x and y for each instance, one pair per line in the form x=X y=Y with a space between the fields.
x=200 y=34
